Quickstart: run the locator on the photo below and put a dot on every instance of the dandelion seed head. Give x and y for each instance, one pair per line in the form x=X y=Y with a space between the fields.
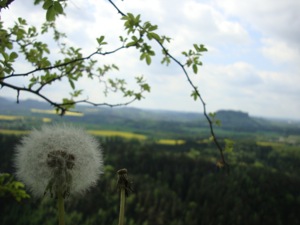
x=59 y=157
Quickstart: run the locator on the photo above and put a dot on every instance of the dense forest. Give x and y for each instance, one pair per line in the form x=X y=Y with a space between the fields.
x=176 y=184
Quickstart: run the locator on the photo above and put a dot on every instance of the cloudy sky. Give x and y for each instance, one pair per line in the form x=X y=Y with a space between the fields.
x=252 y=63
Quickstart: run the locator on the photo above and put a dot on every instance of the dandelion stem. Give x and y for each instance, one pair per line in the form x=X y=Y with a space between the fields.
x=122 y=206
x=61 y=208
x=124 y=186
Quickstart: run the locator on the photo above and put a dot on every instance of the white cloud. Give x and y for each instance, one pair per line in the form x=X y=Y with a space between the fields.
x=277 y=18
x=213 y=24
x=201 y=23
x=279 y=51
x=241 y=86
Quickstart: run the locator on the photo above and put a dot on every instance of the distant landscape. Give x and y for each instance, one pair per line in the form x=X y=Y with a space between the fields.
x=173 y=164
x=146 y=124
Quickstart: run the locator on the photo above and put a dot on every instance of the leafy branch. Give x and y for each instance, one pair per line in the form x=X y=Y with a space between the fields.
x=72 y=67
x=133 y=25
x=5 y=3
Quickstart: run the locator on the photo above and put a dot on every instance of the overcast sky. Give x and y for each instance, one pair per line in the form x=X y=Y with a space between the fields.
x=252 y=63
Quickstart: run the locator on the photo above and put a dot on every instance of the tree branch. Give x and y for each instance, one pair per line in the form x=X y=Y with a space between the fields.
x=64 y=64
x=215 y=139
x=182 y=66
x=61 y=106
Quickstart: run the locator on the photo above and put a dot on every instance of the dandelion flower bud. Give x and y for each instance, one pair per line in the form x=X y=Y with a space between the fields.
x=58 y=158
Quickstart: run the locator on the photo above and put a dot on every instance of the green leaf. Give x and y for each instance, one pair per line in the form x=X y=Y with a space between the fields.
x=145 y=87
x=195 y=68
x=218 y=123
x=194 y=95
x=76 y=93
x=115 y=67
x=1 y=72
x=50 y=15
x=196 y=47
x=133 y=43
x=47 y=4
x=72 y=83
x=184 y=53
x=212 y=115
x=138 y=96
x=68 y=103
x=128 y=93
x=152 y=28
x=148 y=59
x=58 y=8
x=130 y=16
x=166 y=60
x=6 y=56
x=100 y=39
x=137 y=20
x=143 y=55
x=189 y=62
x=202 y=48
x=22 y=21
x=134 y=38
x=3 y=3
x=13 y=56
x=153 y=35
x=20 y=34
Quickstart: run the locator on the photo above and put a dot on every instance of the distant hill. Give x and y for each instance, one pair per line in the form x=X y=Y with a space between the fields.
x=150 y=122
x=238 y=121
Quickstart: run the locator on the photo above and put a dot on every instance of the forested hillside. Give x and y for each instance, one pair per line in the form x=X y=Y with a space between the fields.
x=177 y=184
x=173 y=166
x=152 y=123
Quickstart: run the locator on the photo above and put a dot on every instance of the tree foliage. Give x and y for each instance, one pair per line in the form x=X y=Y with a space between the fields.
x=9 y=186
x=179 y=184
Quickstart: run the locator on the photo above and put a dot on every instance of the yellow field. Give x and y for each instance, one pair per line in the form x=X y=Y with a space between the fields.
x=122 y=134
x=106 y=133
x=14 y=132
x=267 y=143
x=54 y=112
x=7 y=117
x=205 y=141
x=170 y=142
x=46 y=120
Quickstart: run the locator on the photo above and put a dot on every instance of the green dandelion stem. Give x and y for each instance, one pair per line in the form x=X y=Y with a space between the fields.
x=61 y=208
x=124 y=186
x=122 y=206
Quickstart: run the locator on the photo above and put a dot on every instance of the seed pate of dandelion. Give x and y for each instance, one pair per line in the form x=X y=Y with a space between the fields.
x=58 y=158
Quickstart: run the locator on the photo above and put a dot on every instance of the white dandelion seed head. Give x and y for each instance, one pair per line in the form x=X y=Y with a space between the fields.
x=59 y=157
